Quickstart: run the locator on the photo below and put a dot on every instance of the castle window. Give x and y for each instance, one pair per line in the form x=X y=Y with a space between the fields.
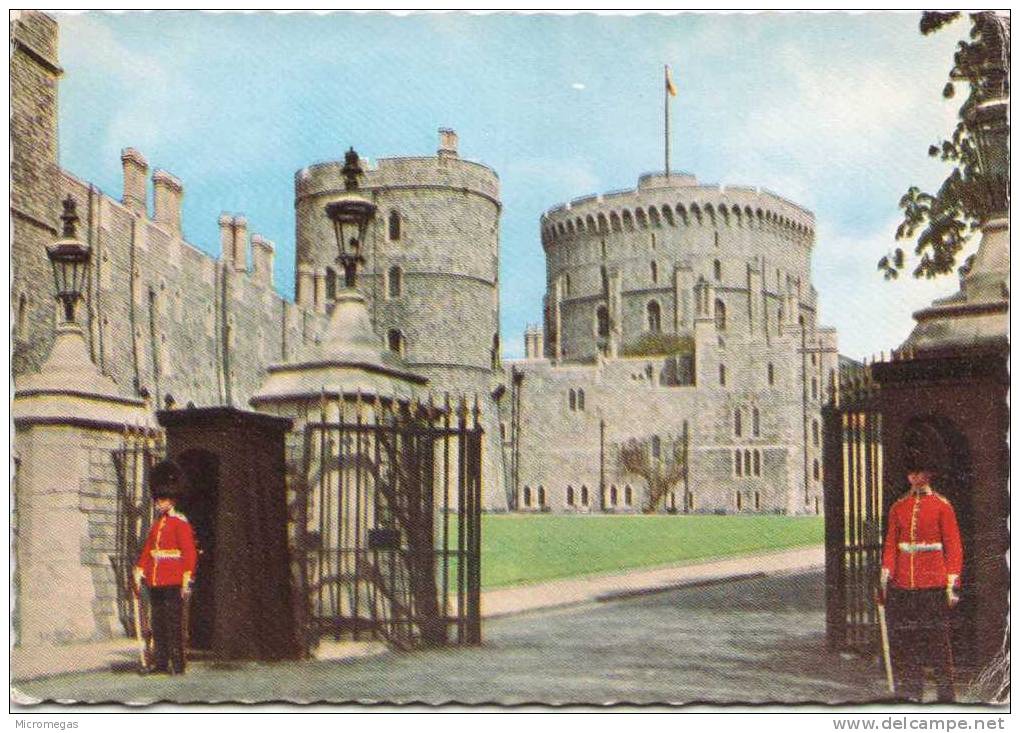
x=720 y=315
x=495 y=351
x=394 y=282
x=779 y=322
x=573 y=399
x=527 y=496
x=602 y=322
x=814 y=388
x=654 y=317
x=717 y=269
x=628 y=495
x=655 y=272
x=541 y=496
x=755 y=422
x=605 y=281
x=814 y=433
x=747 y=462
x=800 y=321
x=330 y=284
x=740 y=502
x=757 y=500
x=817 y=508
x=738 y=464
x=653 y=240
x=757 y=463
x=580 y=399
x=816 y=470
x=771 y=373
x=584 y=495
x=570 y=496
x=737 y=422
x=395 y=341
x=722 y=375
x=502 y=431
x=22 y=314
x=603 y=249
x=394 y=226
x=814 y=359
x=717 y=238
x=656 y=447
x=566 y=283
x=612 y=495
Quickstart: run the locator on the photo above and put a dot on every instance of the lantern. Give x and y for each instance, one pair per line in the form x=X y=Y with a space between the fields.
x=69 y=259
x=350 y=213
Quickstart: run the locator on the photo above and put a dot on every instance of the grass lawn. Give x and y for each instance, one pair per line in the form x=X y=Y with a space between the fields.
x=520 y=549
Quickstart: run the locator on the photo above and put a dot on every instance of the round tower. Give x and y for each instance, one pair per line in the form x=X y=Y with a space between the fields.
x=623 y=264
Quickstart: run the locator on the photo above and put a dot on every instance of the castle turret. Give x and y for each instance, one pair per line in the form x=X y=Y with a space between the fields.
x=136 y=175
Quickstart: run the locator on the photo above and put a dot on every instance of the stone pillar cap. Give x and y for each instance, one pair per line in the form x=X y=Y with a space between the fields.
x=240 y=221
x=260 y=241
x=226 y=219
x=130 y=154
x=162 y=177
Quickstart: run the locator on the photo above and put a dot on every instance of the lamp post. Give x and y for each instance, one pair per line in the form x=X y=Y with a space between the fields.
x=350 y=213
x=69 y=259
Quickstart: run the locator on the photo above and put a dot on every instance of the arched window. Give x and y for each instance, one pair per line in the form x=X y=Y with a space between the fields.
x=738 y=427
x=757 y=462
x=584 y=495
x=541 y=496
x=816 y=470
x=527 y=496
x=570 y=496
x=330 y=284
x=655 y=272
x=722 y=375
x=738 y=463
x=771 y=373
x=394 y=282
x=612 y=495
x=573 y=399
x=747 y=461
x=395 y=341
x=755 y=422
x=628 y=495
x=654 y=317
x=394 y=226
x=580 y=399
x=22 y=315
x=602 y=322
x=814 y=432
x=656 y=446
x=717 y=269
x=720 y=315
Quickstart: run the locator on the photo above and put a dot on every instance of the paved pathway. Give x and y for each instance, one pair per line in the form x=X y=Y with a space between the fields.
x=752 y=640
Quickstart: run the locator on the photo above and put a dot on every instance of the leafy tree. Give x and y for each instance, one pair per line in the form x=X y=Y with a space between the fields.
x=662 y=473
x=943 y=222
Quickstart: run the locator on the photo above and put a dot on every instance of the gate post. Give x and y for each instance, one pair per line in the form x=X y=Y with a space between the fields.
x=835 y=535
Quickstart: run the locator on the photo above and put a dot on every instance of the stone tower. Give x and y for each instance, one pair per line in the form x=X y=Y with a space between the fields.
x=35 y=183
x=430 y=276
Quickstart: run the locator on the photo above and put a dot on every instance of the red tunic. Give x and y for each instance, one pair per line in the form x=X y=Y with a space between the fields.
x=169 y=551
x=922 y=546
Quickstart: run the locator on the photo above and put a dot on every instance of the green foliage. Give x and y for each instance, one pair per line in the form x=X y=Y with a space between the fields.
x=659 y=344
x=941 y=224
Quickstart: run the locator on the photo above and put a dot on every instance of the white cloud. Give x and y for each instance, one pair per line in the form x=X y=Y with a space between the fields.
x=577 y=85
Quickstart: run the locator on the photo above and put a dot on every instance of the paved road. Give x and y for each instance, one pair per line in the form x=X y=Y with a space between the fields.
x=752 y=640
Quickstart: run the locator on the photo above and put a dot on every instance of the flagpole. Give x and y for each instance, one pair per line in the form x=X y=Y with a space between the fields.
x=665 y=104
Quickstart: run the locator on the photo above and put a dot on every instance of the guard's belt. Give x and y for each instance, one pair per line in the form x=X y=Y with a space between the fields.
x=163 y=554
x=920 y=547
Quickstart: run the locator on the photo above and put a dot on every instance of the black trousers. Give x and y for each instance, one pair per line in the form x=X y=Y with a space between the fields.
x=168 y=642
x=919 y=638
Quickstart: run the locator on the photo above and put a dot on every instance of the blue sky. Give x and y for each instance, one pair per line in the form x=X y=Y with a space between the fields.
x=834 y=111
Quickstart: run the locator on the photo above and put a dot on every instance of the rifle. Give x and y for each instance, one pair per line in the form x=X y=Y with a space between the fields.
x=143 y=644
x=883 y=628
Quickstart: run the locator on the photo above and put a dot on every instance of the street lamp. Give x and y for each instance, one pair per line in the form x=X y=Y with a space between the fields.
x=989 y=123
x=350 y=213
x=69 y=259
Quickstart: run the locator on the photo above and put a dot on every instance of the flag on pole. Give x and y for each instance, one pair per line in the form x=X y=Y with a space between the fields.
x=670 y=87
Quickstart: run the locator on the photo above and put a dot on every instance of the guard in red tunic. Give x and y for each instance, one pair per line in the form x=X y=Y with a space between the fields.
x=921 y=566
x=167 y=566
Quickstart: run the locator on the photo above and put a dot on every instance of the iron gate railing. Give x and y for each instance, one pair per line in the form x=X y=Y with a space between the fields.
x=388 y=521
x=854 y=507
x=139 y=450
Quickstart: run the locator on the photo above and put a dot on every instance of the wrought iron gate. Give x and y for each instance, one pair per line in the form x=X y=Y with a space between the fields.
x=138 y=452
x=388 y=521
x=854 y=508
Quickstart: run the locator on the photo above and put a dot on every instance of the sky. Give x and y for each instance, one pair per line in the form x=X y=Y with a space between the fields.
x=832 y=110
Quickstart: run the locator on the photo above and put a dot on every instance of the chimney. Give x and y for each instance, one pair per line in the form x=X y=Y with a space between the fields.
x=240 y=244
x=136 y=174
x=167 y=193
x=447 y=143
x=227 y=239
x=262 y=259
